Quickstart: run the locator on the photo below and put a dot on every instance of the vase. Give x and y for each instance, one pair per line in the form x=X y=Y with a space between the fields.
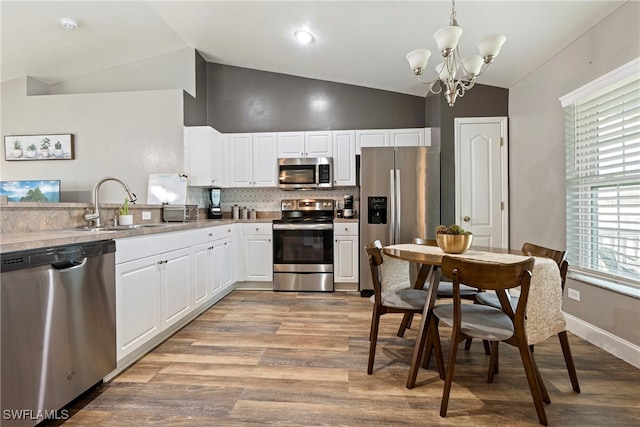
x=17 y=153
x=454 y=243
x=125 y=219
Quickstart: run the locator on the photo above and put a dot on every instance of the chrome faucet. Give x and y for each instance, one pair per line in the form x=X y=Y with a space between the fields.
x=95 y=215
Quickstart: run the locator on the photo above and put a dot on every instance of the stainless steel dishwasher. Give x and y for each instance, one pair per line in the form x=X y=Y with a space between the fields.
x=58 y=327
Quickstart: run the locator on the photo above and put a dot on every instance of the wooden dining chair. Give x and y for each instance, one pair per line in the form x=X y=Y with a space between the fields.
x=491 y=299
x=389 y=299
x=445 y=290
x=488 y=323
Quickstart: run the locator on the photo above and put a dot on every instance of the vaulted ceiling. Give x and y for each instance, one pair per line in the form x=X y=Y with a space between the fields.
x=356 y=42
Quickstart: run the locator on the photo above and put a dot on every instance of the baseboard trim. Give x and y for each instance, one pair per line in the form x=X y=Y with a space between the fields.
x=610 y=343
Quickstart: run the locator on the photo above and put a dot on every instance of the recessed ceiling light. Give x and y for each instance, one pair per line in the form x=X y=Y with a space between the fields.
x=303 y=36
x=69 y=24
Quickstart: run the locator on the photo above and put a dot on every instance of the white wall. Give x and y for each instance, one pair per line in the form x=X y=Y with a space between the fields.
x=537 y=155
x=126 y=134
x=175 y=70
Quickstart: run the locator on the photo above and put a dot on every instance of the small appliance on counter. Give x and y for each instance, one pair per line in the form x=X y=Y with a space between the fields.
x=214 y=211
x=179 y=213
x=348 y=211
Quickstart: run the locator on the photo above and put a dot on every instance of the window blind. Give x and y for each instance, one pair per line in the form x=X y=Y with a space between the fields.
x=603 y=182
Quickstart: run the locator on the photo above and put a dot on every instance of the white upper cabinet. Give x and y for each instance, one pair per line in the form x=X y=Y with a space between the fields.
x=406 y=137
x=205 y=157
x=252 y=159
x=265 y=160
x=318 y=144
x=371 y=138
x=305 y=144
x=290 y=144
x=344 y=158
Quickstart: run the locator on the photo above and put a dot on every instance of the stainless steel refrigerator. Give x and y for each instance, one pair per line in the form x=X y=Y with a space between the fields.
x=399 y=198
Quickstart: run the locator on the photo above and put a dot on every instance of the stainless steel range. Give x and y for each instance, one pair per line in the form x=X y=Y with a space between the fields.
x=303 y=246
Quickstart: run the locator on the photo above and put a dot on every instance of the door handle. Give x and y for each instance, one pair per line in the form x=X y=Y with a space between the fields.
x=466 y=218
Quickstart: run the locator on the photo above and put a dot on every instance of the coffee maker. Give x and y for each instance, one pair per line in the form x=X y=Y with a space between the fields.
x=348 y=206
x=214 y=211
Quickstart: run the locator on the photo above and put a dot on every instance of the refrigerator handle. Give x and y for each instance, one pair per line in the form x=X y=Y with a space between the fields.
x=392 y=208
x=398 y=191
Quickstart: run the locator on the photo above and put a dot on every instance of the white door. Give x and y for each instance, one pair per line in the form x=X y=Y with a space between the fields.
x=481 y=179
x=175 y=281
x=318 y=144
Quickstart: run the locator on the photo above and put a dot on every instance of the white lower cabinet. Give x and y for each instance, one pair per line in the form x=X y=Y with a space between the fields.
x=152 y=293
x=163 y=278
x=138 y=317
x=345 y=253
x=258 y=252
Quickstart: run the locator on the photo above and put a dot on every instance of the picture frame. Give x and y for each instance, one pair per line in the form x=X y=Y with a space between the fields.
x=40 y=191
x=38 y=147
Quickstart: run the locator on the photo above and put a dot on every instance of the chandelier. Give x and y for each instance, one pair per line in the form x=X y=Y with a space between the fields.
x=471 y=67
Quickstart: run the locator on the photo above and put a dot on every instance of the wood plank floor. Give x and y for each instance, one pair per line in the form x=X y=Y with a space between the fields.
x=299 y=359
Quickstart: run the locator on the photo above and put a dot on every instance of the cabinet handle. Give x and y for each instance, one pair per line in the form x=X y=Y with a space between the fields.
x=257 y=229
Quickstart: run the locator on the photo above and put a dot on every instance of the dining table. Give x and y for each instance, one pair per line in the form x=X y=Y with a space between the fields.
x=544 y=305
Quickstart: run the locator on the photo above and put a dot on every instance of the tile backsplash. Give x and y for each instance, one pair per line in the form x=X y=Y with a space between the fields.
x=267 y=199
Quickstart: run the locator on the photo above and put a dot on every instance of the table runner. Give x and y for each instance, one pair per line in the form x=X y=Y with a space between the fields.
x=544 y=305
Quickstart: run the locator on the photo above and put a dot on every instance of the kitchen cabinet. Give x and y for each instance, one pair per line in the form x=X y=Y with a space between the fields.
x=153 y=275
x=344 y=158
x=305 y=144
x=213 y=262
x=371 y=138
x=258 y=251
x=252 y=159
x=205 y=160
x=175 y=279
x=406 y=137
x=345 y=253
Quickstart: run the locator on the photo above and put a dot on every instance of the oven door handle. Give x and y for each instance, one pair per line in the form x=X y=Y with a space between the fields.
x=303 y=226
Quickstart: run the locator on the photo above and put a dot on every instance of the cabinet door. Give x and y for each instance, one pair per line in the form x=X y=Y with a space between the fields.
x=371 y=138
x=175 y=279
x=201 y=278
x=219 y=174
x=240 y=147
x=344 y=158
x=290 y=144
x=346 y=259
x=318 y=144
x=229 y=263
x=198 y=155
x=406 y=137
x=217 y=261
x=258 y=256
x=265 y=160
x=138 y=317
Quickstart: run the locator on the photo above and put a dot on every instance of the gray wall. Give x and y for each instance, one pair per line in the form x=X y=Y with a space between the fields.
x=537 y=156
x=480 y=101
x=195 y=109
x=245 y=100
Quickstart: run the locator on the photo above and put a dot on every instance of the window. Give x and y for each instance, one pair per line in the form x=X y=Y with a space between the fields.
x=603 y=177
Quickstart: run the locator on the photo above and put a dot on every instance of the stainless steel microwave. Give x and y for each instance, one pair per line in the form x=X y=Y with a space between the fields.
x=308 y=173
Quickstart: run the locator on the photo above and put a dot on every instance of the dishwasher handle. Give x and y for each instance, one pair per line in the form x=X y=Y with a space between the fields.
x=69 y=264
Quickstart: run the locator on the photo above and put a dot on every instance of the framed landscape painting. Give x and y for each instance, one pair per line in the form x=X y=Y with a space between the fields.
x=41 y=191
x=38 y=147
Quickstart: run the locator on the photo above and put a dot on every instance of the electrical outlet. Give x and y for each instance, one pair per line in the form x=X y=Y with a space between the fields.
x=574 y=294
x=146 y=216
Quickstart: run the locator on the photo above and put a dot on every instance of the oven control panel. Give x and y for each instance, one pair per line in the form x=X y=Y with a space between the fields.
x=307 y=205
